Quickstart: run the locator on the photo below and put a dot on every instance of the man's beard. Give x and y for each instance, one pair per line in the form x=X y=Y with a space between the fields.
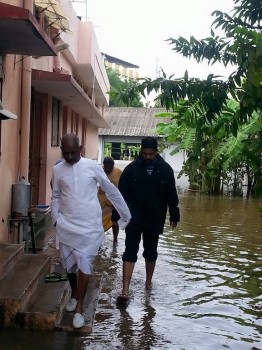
x=148 y=161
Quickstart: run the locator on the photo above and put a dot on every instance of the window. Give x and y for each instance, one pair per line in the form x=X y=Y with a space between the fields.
x=55 y=122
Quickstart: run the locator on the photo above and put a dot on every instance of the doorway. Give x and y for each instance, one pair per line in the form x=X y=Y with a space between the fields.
x=35 y=160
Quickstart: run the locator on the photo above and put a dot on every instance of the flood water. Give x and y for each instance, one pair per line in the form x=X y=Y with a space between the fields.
x=207 y=287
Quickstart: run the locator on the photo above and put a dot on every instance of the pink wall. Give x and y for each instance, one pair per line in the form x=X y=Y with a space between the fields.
x=52 y=154
x=16 y=97
x=11 y=144
x=92 y=142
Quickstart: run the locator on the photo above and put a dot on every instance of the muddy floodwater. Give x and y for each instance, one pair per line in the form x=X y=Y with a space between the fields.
x=207 y=288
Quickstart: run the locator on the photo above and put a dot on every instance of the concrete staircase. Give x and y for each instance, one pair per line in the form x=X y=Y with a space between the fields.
x=26 y=300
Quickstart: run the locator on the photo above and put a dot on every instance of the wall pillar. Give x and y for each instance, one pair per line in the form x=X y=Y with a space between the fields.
x=26 y=67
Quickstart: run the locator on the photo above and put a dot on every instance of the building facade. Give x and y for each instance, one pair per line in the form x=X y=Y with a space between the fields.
x=124 y=69
x=52 y=81
x=127 y=127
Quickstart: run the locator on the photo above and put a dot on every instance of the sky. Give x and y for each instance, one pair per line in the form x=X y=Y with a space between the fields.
x=136 y=31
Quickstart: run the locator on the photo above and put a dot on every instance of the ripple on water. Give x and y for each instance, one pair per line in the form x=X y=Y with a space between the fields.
x=206 y=291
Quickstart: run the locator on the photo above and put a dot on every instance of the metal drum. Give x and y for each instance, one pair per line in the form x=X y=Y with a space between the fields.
x=20 y=198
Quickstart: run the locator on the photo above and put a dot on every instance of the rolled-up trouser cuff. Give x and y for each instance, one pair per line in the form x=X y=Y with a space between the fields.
x=150 y=243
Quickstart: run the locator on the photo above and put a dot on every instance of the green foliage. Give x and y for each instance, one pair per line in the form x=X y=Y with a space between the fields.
x=123 y=92
x=210 y=94
x=241 y=46
x=235 y=147
x=212 y=149
x=218 y=121
x=212 y=49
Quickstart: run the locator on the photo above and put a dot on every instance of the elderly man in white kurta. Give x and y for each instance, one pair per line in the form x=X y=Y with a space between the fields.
x=77 y=215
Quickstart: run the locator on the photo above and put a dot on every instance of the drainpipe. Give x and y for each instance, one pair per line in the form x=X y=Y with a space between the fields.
x=56 y=59
x=94 y=78
x=26 y=67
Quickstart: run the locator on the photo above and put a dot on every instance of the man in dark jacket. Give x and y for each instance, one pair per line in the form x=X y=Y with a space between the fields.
x=148 y=187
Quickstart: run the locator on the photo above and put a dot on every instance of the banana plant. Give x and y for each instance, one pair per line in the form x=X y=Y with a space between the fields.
x=213 y=152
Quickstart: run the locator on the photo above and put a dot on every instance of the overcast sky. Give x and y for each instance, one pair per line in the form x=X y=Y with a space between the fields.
x=136 y=30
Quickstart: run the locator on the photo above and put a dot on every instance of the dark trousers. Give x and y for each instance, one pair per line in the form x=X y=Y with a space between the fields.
x=132 y=241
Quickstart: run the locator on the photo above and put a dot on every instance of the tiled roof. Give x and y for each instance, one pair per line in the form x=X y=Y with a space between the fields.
x=130 y=121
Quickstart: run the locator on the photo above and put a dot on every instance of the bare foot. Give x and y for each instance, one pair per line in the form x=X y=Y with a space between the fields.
x=148 y=285
x=122 y=298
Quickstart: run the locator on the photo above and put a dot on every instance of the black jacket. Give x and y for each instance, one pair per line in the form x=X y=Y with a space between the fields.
x=148 y=196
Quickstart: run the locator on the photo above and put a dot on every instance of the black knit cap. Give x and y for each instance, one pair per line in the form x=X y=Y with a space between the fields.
x=149 y=142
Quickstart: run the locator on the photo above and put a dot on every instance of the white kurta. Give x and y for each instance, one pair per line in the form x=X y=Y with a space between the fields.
x=75 y=207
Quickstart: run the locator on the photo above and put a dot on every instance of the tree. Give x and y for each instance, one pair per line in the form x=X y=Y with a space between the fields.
x=214 y=155
x=241 y=46
x=219 y=122
x=123 y=92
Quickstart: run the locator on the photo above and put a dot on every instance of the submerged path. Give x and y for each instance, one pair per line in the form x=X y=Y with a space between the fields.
x=207 y=291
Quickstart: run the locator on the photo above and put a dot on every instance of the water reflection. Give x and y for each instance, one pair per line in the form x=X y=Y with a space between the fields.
x=137 y=332
x=207 y=290
x=221 y=268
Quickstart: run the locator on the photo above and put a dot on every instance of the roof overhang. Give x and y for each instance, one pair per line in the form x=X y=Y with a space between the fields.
x=116 y=60
x=65 y=88
x=88 y=76
x=21 y=34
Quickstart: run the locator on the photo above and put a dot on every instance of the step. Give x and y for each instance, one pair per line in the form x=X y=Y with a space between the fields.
x=9 y=255
x=18 y=286
x=90 y=304
x=43 y=237
x=45 y=310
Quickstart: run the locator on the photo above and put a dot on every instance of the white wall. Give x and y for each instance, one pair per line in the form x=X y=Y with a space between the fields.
x=176 y=161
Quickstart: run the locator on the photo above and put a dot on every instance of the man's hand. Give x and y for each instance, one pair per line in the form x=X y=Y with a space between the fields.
x=173 y=225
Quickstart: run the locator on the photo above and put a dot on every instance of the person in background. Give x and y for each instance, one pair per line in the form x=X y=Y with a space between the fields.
x=77 y=216
x=148 y=187
x=113 y=173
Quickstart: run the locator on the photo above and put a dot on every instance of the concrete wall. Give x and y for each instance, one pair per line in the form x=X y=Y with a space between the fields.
x=83 y=50
x=11 y=141
x=16 y=97
x=176 y=161
x=54 y=153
